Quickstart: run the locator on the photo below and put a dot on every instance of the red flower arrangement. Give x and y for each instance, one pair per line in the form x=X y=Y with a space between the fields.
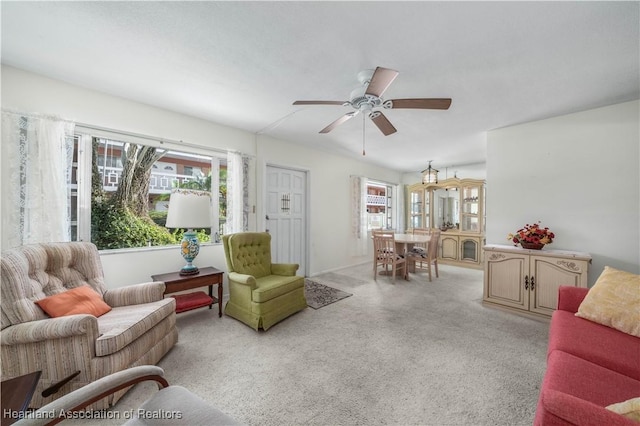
x=532 y=234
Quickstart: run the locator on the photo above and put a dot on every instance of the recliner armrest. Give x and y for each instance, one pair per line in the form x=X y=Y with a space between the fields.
x=286 y=269
x=51 y=328
x=244 y=279
x=135 y=294
x=92 y=392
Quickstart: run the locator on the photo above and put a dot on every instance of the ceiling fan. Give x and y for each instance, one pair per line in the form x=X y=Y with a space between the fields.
x=366 y=98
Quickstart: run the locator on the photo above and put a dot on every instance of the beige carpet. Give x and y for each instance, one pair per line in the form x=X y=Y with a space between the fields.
x=409 y=353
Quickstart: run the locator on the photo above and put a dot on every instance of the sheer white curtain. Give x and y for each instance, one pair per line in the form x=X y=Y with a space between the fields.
x=359 y=216
x=237 y=193
x=37 y=154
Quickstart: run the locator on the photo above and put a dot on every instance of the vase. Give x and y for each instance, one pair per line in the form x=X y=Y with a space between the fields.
x=531 y=246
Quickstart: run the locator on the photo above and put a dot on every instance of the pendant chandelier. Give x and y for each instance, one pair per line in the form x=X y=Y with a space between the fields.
x=430 y=175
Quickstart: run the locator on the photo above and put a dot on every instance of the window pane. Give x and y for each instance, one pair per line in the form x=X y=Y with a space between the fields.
x=380 y=202
x=130 y=201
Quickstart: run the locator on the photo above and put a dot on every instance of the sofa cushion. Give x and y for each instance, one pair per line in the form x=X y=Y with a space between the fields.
x=576 y=391
x=561 y=409
x=181 y=407
x=595 y=343
x=272 y=286
x=80 y=300
x=122 y=325
x=613 y=301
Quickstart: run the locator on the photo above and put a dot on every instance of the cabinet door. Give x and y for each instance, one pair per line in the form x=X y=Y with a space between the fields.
x=549 y=273
x=416 y=208
x=470 y=249
x=504 y=279
x=470 y=209
x=448 y=247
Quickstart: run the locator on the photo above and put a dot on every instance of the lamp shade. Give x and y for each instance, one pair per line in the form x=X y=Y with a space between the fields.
x=189 y=208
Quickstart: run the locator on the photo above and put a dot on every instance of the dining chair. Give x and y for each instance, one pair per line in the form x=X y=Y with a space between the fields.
x=422 y=231
x=382 y=231
x=422 y=257
x=385 y=254
x=418 y=250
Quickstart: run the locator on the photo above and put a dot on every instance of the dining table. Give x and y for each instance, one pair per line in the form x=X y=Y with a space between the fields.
x=404 y=242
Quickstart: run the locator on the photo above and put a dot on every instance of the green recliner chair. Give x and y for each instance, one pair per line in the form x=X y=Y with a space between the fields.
x=261 y=293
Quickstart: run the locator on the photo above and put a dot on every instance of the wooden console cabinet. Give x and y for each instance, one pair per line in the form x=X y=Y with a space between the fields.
x=527 y=281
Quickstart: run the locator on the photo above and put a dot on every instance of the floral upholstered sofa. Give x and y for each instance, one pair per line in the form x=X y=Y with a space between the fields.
x=132 y=325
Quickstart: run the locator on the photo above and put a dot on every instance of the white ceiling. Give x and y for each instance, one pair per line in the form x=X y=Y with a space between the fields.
x=243 y=64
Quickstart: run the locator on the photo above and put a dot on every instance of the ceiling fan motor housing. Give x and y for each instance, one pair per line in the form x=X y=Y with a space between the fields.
x=362 y=101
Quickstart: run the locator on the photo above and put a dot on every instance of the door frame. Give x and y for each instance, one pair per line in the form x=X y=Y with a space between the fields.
x=261 y=210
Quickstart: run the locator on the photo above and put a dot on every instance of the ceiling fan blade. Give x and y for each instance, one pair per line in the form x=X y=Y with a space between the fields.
x=380 y=81
x=382 y=122
x=339 y=121
x=421 y=103
x=320 y=102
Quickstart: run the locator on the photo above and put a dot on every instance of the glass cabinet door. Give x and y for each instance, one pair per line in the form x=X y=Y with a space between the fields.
x=470 y=209
x=470 y=249
x=426 y=196
x=416 y=203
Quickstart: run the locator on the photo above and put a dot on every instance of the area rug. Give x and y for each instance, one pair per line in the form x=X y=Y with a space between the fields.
x=319 y=295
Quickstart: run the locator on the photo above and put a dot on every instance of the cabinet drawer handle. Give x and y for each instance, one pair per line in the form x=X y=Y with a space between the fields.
x=526 y=282
x=533 y=283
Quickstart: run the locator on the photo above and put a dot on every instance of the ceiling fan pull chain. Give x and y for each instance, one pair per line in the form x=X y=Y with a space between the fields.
x=363 y=154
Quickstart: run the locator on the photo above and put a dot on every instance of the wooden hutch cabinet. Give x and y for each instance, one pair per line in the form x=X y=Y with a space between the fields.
x=456 y=206
x=527 y=281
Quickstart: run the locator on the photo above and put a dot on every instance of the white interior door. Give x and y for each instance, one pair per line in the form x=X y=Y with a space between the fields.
x=286 y=215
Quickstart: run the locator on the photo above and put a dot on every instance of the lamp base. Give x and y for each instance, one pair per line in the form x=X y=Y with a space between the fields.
x=189 y=247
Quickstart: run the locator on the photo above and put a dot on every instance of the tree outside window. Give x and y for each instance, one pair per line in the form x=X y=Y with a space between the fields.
x=130 y=188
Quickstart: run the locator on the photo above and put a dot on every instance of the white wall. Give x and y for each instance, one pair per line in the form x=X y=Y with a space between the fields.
x=33 y=93
x=134 y=266
x=329 y=174
x=579 y=175
x=330 y=215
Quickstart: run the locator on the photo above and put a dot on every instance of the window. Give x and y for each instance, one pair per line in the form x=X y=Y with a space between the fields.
x=120 y=189
x=380 y=205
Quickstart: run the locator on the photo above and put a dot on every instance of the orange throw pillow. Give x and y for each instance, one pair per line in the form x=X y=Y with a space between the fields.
x=80 y=300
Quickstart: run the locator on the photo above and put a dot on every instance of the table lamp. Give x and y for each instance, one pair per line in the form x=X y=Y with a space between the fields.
x=189 y=209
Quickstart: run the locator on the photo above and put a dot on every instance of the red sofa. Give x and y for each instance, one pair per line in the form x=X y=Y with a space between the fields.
x=589 y=366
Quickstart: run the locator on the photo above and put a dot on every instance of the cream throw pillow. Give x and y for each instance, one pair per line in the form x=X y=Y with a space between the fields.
x=629 y=408
x=614 y=301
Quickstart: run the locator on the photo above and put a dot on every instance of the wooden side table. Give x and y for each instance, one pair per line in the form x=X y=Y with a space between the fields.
x=208 y=276
x=16 y=396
